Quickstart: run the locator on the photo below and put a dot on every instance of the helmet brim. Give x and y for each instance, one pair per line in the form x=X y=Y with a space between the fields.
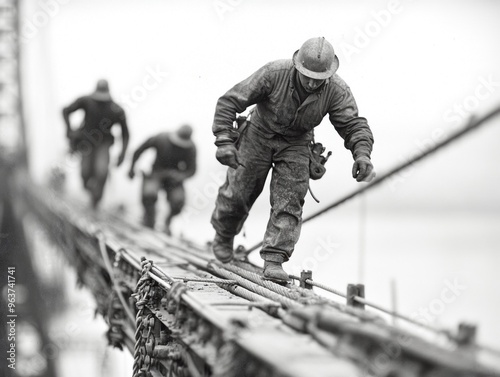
x=316 y=75
x=180 y=142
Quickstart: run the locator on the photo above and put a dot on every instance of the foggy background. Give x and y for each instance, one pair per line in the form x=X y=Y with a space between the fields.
x=417 y=69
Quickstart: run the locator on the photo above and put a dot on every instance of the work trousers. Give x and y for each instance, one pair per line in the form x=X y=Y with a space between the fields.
x=289 y=162
x=94 y=169
x=176 y=198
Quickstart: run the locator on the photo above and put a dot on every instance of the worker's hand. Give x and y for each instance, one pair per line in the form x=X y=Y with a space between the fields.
x=120 y=159
x=227 y=154
x=362 y=169
x=131 y=173
x=73 y=140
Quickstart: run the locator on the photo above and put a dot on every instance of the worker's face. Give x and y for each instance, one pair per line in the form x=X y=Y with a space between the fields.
x=309 y=84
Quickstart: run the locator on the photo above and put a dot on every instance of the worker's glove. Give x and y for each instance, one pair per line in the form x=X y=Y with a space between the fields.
x=362 y=169
x=74 y=138
x=227 y=154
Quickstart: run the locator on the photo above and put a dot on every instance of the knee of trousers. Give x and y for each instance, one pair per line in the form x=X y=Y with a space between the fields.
x=149 y=200
x=176 y=198
x=176 y=207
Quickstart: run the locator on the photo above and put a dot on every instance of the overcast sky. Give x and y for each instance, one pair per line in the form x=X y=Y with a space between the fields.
x=417 y=70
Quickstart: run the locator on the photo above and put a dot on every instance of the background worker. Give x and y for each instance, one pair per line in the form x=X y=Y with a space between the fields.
x=292 y=97
x=93 y=139
x=175 y=162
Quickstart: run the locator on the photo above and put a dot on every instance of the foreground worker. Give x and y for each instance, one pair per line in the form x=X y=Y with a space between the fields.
x=292 y=97
x=175 y=162
x=93 y=139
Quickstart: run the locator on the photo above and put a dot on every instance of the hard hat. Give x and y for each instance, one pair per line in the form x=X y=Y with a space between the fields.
x=182 y=137
x=316 y=59
x=102 y=91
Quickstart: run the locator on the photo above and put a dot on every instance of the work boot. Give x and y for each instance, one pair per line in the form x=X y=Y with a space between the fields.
x=149 y=216
x=222 y=248
x=274 y=271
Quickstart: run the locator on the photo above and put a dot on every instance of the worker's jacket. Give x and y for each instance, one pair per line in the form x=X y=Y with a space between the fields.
x=100 y=116
x=174 y=162
x=278 y=109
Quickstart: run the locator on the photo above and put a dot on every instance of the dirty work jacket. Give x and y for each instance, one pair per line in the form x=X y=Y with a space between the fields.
x=170 y=156
x=278 y=109
x=99 y=118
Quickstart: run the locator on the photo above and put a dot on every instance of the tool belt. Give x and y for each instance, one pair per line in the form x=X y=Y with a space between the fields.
x=317 y=160
x=241 y=124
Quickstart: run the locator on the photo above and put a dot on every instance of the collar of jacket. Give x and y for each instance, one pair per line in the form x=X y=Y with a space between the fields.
x=294 y=75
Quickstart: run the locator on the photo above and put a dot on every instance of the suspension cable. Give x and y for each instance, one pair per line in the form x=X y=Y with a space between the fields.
x=473 y=123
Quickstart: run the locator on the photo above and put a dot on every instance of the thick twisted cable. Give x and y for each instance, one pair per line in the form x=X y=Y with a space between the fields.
x=255 y=287
x=250 y=296
x=257 y=279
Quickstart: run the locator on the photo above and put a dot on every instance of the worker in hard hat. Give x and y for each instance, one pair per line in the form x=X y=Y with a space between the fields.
x=174 y=163
x=292 y=97
x=93 y=139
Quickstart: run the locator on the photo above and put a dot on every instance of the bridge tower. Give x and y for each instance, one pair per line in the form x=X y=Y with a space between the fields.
x=23 y=336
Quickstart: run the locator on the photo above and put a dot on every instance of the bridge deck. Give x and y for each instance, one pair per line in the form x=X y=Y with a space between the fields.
x=195 y=316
